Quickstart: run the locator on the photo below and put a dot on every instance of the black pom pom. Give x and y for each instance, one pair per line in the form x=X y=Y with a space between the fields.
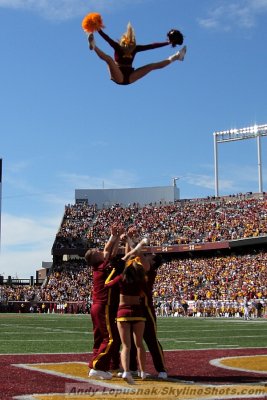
x=175 y=37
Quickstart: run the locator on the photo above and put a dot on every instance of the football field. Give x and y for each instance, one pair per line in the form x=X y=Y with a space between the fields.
x=45 y=357
x=55 y=333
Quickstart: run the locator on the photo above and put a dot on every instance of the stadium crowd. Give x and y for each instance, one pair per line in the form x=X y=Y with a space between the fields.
x=187 y=280
x=182 y=222
x=219 y=277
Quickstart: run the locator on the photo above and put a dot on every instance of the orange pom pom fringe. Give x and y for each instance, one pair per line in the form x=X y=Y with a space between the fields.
x=92 y=22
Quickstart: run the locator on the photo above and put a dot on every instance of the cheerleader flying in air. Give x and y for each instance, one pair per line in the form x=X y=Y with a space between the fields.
x=120 y=67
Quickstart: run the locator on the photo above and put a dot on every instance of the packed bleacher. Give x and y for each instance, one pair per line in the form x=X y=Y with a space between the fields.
x=186 y=278
x=76 y=224
x=187 y=221
x=227 y=277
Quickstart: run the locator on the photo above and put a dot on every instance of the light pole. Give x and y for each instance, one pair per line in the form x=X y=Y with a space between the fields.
x=231 y=135
x=174 y=180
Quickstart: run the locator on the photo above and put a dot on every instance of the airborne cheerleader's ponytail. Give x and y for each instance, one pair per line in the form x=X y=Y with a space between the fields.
x=92 y=22
x=128 y=38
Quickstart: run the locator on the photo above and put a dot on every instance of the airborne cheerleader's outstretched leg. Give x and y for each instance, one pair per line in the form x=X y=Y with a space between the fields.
x=114 y=71
x=142 y=71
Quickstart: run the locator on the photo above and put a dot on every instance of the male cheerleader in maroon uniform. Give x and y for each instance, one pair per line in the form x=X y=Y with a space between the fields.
x=102 y=313
x=150 y=333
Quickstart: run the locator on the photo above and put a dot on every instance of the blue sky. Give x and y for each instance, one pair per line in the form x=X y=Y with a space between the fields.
x=65 y=125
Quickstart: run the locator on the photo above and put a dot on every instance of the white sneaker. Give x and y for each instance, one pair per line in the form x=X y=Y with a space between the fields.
x=163 y=375
x=116 y=372
x=182 y=53
x=179 y=56
x=91 y=41
x=142 y=374
x=97 y=374
x=127 y=376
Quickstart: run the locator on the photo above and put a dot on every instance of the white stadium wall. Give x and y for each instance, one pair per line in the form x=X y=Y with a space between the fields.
x=142 y=196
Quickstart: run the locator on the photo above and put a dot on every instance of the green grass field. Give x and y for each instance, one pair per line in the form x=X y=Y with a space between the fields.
x=52 y=333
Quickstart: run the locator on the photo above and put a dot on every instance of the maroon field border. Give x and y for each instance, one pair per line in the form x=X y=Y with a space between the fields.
x=189 y=365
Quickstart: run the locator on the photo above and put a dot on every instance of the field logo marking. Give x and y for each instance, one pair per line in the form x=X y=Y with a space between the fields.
x=83 y=388
x=255 y=364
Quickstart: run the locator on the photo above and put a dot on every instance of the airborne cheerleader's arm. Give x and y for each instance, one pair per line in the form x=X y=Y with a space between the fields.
x=175 y=38
x=111 y=42
x=144 y=47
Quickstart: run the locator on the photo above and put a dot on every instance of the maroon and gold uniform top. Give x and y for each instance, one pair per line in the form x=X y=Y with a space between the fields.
x=127 y=60
x=100 y=291
x=128 y=289
x=128 y=312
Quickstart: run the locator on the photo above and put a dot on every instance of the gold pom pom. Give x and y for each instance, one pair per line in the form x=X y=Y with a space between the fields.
x=92 y=22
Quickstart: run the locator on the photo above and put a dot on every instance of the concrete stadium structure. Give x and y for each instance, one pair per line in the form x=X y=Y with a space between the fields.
x=107 y=197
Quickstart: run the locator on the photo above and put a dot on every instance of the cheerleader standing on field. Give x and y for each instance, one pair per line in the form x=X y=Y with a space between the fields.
x=131 y=313
x=120 y=67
